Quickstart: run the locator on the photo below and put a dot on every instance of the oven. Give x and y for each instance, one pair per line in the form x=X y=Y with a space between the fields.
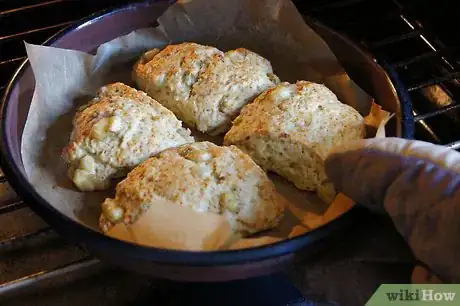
x=410 y=39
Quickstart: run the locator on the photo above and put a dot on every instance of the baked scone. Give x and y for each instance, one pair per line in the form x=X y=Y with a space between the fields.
x=120 y=128
x=205 y=177
x=291 y=128
x=203 y=86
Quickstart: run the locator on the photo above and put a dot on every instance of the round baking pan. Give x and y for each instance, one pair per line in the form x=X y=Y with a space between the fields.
x=97 y=29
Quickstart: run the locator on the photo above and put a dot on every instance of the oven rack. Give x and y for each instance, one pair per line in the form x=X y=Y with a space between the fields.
x=428 y=67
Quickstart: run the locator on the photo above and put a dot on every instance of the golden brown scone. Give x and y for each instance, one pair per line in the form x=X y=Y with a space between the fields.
x=205 y=177
x=120 y=128
x=291 y=128
x=203 y=86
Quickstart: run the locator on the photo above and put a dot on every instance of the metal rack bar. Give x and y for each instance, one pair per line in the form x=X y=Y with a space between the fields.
x=386 y=17
x=4 y=209
x=437 y=112
x=16 y=241
x=4 y=13
x=395 y=39
x=17 y=59
x=17 y=35
x=29 y=280
x=434 y=81
x=418 y=58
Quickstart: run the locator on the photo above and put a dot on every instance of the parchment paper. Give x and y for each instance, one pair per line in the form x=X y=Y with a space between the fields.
x=66 y=79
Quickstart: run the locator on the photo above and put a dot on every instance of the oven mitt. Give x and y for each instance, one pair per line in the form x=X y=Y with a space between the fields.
x=417 y=184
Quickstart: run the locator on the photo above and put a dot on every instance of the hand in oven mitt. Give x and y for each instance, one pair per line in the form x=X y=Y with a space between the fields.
x=418 y=185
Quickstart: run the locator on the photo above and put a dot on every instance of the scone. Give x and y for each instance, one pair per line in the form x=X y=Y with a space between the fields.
x=204 y=87
x=291 y=128
x=205 y=177
x=120 y=128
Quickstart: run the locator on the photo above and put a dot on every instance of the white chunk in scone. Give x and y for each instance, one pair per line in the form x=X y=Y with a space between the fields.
x=204 y=87
x=120 y=128
x=291 y=128
x=202 y=176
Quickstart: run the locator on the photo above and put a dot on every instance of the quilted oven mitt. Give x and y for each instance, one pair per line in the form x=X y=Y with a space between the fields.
x=418 y=185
